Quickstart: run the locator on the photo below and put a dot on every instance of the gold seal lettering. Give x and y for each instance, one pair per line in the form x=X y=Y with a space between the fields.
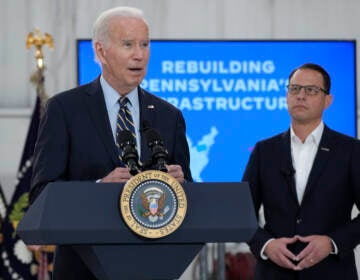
x=163 y=190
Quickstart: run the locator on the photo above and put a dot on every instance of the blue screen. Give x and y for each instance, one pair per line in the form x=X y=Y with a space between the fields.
x=233 y=93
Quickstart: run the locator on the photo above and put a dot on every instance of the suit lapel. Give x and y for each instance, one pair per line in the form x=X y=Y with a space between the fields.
x=147 y=119
x=286 y=168
x=326 y=146
x=97 y=109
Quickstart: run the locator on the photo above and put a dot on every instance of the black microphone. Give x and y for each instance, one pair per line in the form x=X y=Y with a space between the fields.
x=156 y=145
x=129 y=154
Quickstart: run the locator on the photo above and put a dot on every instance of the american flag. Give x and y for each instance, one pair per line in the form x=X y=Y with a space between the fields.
x=17 y=260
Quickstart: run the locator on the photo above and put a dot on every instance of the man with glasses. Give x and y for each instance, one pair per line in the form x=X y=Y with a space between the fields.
x=307 y=179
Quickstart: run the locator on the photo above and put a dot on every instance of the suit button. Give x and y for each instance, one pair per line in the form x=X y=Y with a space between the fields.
x=298 y=221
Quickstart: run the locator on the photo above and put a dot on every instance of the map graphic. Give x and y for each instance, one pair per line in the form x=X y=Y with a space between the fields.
x=199 y=153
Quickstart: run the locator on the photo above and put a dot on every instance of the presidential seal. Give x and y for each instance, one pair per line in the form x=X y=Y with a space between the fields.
x=153 y=204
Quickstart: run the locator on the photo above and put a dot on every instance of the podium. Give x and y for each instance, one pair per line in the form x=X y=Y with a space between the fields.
x=87 y=216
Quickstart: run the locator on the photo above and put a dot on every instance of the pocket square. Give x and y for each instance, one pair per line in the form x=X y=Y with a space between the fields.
x=325 y=149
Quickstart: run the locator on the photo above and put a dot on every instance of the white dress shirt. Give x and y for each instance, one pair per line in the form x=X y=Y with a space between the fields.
x=303 y=155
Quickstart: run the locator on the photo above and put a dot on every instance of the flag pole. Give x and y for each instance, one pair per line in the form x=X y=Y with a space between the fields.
x=18 y=262
x=38 y=79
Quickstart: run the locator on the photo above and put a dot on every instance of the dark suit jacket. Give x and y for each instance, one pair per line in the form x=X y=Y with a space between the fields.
x=75 y=142
x=332 y=189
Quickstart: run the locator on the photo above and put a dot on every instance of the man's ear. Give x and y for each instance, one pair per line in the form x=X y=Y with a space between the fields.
x=328 y=100
x=100 y=52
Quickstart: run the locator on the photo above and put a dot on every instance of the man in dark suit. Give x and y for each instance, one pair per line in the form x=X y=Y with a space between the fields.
x=307 y=179
x=77 y=137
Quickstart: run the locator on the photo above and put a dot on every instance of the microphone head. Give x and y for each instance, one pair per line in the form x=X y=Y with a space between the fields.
x=156 y=145
x=129 y=154
x=125 y=137
x=152 y=136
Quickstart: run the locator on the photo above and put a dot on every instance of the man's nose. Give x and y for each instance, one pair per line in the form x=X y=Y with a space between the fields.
x=139 y=52
x=302 y=93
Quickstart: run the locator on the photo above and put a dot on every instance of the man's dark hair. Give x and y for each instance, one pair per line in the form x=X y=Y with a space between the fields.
x=317 y=68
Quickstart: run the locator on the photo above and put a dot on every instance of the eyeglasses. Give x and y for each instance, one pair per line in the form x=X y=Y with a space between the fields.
x=309 y=90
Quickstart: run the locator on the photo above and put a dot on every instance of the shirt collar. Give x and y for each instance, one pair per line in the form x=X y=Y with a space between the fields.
x=112 y=96
x=315 y=135
x=133 y=97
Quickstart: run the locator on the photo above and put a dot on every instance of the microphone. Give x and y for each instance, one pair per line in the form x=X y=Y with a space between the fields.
x=129 y=154
x=156 y=145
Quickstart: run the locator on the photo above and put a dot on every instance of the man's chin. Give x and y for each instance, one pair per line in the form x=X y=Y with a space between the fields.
x=136 y=80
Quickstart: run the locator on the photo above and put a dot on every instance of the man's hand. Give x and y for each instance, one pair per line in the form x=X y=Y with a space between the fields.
x=43 y=248
x=277 y=251
x=318 y=248
x=118 y=175
x=176 y=171
x=34 y=247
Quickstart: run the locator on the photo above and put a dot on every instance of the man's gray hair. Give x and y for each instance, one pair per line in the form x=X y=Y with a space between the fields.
x=101 y=25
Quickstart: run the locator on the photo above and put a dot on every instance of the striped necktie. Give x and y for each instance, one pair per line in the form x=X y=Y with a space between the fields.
x=124 y=121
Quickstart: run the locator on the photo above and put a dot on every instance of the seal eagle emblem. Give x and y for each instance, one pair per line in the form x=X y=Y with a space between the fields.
x=153 y=204
x=153 y=201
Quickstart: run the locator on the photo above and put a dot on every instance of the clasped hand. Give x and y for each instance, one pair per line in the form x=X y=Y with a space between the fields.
x=318 y=247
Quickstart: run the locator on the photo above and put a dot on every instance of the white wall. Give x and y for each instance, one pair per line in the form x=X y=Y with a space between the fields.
x=67 y=20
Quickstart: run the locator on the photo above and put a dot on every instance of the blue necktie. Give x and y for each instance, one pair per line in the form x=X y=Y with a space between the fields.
x=124 y=121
